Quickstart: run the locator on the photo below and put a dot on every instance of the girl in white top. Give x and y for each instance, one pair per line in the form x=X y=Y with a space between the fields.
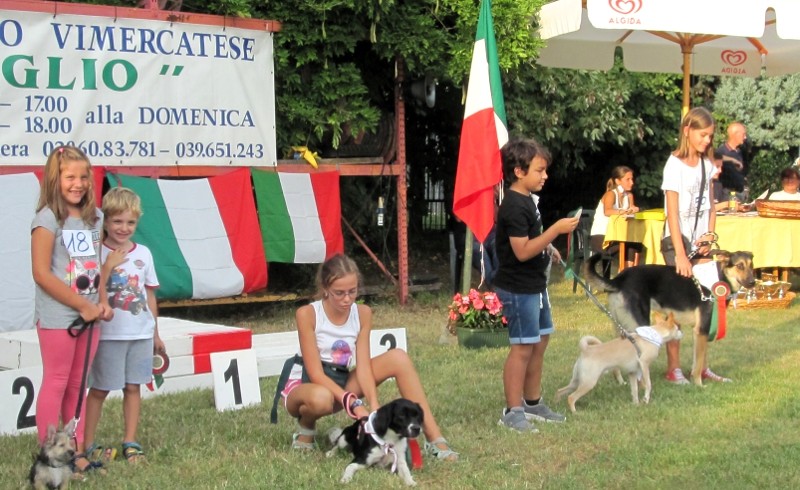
x=336 y=329
x=688 y=221
x=617 y=200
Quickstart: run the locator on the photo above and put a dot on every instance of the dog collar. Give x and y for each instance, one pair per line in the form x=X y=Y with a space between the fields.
x=385 y=446
x=650 y=335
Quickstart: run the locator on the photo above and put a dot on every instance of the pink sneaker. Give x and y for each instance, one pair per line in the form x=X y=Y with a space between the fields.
x=712 y=376
x=676 y=377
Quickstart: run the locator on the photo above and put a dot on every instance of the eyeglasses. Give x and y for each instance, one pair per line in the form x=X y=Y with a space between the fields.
x=341 y=294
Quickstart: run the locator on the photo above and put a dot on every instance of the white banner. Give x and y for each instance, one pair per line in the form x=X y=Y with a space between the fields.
x=135 y=92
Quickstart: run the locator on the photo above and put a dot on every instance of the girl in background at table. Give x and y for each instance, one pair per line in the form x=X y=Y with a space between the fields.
x=65 y=255
x=617 y=200
x=689 y=214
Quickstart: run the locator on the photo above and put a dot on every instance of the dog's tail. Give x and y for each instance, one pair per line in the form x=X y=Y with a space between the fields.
x=595 y=279
x=588 y=340
x=333 y=434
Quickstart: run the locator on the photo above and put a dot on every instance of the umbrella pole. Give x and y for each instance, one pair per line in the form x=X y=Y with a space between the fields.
x=687 y=78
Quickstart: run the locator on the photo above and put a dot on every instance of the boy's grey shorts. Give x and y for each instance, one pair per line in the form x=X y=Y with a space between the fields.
x=120 y=362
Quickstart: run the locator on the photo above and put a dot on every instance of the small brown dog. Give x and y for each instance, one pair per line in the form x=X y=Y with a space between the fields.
x=619 y=355
x=51 y=468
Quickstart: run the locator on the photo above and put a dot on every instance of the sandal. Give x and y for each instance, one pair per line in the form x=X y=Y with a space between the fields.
x=133 y=452
x=98 y=454
x=80 y=473
x=302 y=445
x=445 y=454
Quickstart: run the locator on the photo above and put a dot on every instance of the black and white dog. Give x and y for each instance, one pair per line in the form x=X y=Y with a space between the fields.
x=380 y=439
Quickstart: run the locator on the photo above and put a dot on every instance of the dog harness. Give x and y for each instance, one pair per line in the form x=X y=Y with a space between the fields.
x=649 y=334
x=385 y=446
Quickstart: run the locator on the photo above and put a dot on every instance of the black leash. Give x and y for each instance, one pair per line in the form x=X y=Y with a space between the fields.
x=712 y=243
x=622 y=331
x=75 y=329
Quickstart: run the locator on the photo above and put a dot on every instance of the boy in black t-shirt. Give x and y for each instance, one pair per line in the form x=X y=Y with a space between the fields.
x=521 y=282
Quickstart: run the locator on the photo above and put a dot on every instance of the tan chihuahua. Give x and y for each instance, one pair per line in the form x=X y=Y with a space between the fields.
x=619 y=355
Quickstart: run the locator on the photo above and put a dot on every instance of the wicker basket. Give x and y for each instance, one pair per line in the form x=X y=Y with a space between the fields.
x=778 y=209
x=764 y=303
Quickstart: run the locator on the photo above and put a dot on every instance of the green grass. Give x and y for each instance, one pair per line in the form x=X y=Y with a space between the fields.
x=739 y=435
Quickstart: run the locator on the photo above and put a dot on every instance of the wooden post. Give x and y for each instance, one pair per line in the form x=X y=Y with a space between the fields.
x=466 y=270
x=402 y=212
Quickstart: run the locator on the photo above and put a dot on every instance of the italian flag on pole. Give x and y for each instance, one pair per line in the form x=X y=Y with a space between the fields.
x=203 y=234
x=483 y=133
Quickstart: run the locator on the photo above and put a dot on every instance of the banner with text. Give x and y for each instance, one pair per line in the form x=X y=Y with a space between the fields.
x=135 y=92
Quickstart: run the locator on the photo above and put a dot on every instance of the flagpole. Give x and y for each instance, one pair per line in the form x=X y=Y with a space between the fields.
x=466 y=270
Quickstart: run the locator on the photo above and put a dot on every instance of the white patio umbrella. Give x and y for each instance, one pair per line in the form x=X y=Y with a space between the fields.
x=691 y=37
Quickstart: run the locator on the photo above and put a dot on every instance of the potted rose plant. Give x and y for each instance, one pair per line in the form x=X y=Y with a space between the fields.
x=477 y=319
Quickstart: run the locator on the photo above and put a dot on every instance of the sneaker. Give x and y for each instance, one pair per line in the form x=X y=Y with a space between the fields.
x=712 y=376
x=676 y=377
x=542 y=413
x=515 y=419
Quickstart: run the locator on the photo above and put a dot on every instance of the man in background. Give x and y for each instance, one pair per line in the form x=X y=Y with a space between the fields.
x=734 y=166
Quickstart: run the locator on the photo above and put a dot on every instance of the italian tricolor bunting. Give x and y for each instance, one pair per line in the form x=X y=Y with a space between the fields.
x=300 y=215
x=203 y=234
x=482 y=135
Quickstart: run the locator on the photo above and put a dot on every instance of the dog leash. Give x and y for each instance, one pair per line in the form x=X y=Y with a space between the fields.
x=711 y=242
x=81 y=325
x=622 y=331
x=388 y=449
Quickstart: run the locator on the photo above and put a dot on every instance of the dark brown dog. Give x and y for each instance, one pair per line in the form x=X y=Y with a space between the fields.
x=638 y=290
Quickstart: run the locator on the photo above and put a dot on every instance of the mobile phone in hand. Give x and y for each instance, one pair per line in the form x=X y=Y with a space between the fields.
x=579 y=212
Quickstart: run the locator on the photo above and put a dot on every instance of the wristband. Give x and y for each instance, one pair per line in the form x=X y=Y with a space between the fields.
x=347 y=400
x=358 y=403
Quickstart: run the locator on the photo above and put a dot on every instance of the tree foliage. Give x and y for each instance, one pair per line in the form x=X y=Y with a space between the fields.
x=770 y=109
x=330 y=52
x=592 y=121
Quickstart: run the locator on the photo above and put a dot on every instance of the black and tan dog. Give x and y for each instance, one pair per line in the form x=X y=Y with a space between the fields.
x=380 y=439
x=638 y=290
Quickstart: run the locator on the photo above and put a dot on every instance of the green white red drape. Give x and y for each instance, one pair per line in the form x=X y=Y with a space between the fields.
x=203 y=234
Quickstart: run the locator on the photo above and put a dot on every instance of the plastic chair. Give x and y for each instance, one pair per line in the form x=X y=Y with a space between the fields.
x=579 y=247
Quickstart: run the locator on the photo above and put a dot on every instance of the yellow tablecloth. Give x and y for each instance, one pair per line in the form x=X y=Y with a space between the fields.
x=775 y=242
x=645 y=231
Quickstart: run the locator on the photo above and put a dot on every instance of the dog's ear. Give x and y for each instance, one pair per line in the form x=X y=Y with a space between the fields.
x=722 y=256
x=70 y=428
x=421 y=413
x=51 y=434
x=380 y=422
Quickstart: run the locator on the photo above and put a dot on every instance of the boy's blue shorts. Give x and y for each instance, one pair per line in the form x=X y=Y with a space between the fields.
x=528 y=316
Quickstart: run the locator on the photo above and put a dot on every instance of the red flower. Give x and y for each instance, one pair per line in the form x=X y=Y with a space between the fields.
x=477 y=310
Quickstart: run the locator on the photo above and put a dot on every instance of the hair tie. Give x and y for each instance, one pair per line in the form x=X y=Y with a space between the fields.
x=61 y=150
